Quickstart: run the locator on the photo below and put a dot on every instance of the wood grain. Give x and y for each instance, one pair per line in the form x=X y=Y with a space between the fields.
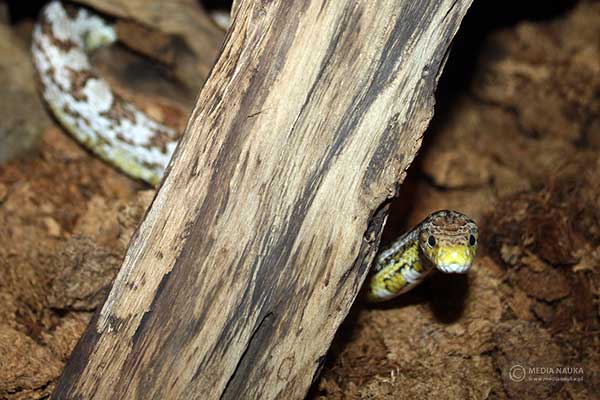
x=262 y=232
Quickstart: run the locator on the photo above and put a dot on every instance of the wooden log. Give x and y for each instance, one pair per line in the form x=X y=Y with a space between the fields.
x=262 y=232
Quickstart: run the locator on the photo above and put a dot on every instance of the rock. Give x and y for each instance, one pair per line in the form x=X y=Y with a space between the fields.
x=23 y=115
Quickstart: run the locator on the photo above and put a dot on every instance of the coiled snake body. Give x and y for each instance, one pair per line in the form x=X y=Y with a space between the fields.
x=127 y=138
x=84 y=103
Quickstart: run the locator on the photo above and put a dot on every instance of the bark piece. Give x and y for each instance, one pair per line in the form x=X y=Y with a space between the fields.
x=261 y=234
x=85 y=278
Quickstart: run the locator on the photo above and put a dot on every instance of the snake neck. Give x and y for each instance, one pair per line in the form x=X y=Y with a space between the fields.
x=398 y=268
x=396 y=249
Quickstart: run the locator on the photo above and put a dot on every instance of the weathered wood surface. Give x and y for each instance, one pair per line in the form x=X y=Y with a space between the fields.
x=261 y=234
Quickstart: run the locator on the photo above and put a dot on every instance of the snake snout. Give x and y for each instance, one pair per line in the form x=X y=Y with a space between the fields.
x=454 y=260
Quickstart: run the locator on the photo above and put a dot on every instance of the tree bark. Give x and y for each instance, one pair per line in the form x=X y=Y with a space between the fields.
x=262 y=232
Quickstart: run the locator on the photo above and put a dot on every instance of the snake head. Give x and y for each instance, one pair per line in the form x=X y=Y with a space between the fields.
x=449 y=240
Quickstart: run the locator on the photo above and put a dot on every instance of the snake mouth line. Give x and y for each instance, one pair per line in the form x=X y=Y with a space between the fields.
x=454 y=268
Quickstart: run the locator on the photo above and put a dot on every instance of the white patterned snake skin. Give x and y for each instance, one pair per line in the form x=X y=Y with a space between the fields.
x=84 y=103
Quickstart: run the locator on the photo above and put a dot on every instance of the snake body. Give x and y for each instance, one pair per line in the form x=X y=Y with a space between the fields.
x=84 y=103
x=127 y=138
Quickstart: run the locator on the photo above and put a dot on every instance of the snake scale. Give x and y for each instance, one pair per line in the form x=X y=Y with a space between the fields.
x=124 y=136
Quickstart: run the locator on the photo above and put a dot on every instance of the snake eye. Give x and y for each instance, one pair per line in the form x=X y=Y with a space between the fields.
x=431 y=241
x=472 y=240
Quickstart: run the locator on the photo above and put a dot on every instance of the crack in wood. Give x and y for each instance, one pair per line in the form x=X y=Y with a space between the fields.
x=248 y=358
